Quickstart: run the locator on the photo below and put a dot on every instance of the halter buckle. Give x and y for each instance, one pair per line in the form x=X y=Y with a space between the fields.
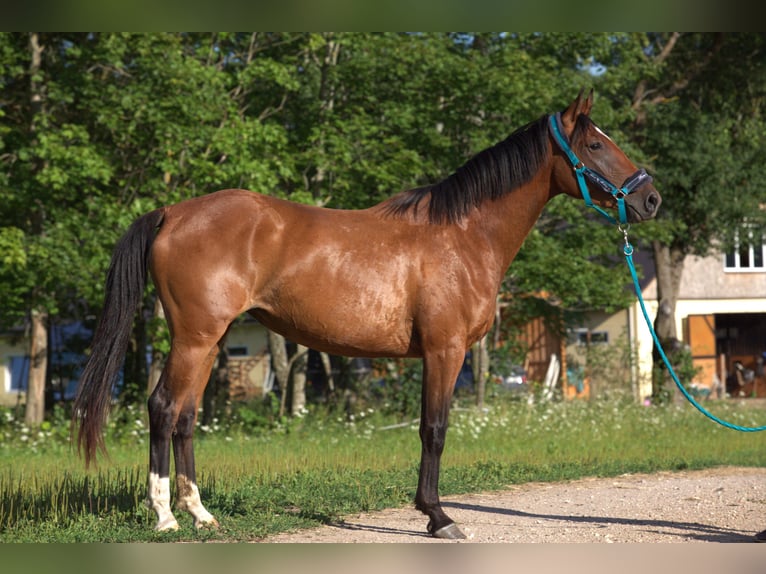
x=620 y=193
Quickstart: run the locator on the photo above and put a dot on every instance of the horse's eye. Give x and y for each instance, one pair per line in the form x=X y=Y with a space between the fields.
x=595 y=146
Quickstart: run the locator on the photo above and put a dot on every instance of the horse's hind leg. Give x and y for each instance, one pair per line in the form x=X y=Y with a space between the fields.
x=187 y=492
x=173 y=414
x=161 y=424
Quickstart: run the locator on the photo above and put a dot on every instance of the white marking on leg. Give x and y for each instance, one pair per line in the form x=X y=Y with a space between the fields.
x=158 y=499
x=189 y=500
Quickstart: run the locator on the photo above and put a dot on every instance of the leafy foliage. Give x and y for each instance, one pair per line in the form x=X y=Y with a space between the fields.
x=106 y=126
x=325 y=468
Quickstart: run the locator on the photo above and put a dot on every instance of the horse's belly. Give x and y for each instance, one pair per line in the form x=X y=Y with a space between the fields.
x=344 y=333
x=348 y=307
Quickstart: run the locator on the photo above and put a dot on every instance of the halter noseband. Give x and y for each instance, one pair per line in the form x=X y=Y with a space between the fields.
x=583 y=172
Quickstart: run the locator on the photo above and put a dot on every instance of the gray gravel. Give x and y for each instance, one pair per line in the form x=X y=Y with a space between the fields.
x=717 y=505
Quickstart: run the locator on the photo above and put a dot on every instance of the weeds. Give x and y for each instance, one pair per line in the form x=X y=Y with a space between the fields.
x=265 y=477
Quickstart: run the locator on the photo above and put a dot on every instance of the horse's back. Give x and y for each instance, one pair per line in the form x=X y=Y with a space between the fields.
x=319 y=276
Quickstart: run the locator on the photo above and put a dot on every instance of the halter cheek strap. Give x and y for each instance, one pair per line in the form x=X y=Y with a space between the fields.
x=583 y=173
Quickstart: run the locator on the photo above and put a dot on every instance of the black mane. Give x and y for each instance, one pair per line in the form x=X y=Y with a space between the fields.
x=488 y=175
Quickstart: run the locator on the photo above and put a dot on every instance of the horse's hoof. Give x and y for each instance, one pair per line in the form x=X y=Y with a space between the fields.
x=760 y=537
x=211 y=524
x=449 y=532
x=169 y=524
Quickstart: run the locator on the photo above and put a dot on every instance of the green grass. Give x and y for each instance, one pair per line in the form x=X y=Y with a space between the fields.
x=320 y=468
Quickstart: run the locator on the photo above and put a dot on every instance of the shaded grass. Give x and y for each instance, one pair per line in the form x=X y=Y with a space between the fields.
x=321 y=469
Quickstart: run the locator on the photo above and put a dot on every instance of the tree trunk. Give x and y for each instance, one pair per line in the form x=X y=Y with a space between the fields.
x=326 y=96
x=215 y=399
x=300 y=362
x=327 y=365
x=669 y=264
x=480 y=369
x=278 y=350
x=283 y=368
x=35 y=407
x=38 y=353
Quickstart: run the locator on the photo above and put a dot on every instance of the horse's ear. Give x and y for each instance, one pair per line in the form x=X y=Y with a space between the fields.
x=577 y=107
x=587 y=105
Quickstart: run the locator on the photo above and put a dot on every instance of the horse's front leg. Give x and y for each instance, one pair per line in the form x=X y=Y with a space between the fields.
x=440 y=370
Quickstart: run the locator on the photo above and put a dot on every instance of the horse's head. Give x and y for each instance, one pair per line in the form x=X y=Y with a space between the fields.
x=588 y=164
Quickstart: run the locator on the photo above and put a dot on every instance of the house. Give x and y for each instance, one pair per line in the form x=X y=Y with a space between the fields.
x=720 y=315
x=14 y=368
x=249 y=366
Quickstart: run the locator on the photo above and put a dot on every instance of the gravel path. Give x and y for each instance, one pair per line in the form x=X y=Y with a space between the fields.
x=717 y=505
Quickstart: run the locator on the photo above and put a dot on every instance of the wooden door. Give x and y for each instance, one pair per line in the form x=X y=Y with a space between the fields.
x=699 y=332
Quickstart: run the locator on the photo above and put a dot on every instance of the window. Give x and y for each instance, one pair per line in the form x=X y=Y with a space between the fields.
x=237 y=351
x=19 y=374
x=748 y=254
x=586 y=337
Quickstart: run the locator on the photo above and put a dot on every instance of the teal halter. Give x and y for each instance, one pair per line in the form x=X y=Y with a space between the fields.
x=583 y=172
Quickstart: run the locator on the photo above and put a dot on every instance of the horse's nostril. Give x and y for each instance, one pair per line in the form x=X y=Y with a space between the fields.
x=653 y=202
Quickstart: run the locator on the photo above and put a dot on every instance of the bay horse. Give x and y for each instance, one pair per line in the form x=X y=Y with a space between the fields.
x=414 y=276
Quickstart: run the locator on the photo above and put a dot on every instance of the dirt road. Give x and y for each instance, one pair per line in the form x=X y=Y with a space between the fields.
x=717 y=505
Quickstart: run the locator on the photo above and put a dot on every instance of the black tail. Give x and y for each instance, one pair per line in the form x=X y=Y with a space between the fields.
x=125 y=282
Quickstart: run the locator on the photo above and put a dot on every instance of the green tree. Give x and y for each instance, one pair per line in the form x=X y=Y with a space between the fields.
x=181 y=117
x=699 y=116
x=46 y=160
x=99 y=128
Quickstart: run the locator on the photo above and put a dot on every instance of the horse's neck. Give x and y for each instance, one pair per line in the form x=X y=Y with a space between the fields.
x=507 y=221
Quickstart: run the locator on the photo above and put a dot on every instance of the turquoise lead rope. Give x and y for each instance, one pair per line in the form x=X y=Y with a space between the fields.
x=628 y=251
